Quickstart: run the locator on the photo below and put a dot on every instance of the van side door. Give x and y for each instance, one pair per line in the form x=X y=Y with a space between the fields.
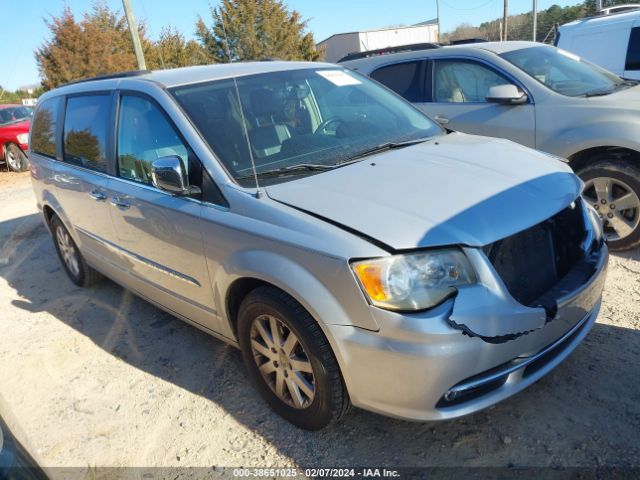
x=158 y=234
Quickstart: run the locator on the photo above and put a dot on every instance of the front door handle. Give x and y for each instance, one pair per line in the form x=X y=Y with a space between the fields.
x=98 y=196
x=121 y=204
x=441 y=119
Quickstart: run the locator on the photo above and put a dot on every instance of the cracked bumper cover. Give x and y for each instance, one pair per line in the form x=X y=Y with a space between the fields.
x=406 y=368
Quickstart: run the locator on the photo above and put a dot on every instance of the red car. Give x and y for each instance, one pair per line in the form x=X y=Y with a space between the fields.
x=14 y=136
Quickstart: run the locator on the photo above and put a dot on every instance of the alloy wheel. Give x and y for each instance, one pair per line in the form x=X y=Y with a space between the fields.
x=282 y=361
x=616 y=203
x=14 y=161
x=68 y=251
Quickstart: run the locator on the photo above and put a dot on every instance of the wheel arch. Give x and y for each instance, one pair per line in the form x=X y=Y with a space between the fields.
x=582 y=158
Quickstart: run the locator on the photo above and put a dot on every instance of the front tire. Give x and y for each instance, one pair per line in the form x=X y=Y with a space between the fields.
x=613 y=188
x=72 y=260
x=16 y=159
x=289 y=360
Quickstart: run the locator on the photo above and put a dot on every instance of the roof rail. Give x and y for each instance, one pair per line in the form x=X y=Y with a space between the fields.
x=619 y=8
x=109 y=76
x=384 y=51
x=467 y=40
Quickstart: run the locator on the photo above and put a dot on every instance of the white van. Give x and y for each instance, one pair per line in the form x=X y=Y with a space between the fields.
x=611 y=40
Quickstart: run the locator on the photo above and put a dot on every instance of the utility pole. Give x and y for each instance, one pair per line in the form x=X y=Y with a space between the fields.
x=133 y=28
x=438 y=17
x=535 y=19
x=505 y=20
x=598 y=6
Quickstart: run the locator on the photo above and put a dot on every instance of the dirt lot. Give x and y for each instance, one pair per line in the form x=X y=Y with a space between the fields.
x=100 y=377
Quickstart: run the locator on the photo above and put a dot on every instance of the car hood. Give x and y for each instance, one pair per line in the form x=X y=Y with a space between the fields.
x=628 y=97
x=454 y=189
x=19 y=127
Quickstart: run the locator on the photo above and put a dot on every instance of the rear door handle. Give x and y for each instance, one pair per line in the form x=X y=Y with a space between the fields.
x=441 y=119
x=121 y=204
x=98 y=196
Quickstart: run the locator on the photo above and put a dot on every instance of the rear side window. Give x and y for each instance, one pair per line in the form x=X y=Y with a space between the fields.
x=44 y=129
x=86 y=125
x=402 y=78
x=633 y=50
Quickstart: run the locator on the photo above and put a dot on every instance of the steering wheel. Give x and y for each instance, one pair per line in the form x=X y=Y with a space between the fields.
x=322 y=128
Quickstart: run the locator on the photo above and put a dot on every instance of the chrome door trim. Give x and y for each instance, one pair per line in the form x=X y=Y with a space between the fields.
x=140 y=259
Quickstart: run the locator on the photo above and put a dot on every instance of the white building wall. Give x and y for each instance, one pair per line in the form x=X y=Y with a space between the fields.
x=339 y=45
x=400 y=36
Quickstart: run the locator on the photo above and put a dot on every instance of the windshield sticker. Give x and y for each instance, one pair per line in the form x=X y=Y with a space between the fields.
x=338 y=77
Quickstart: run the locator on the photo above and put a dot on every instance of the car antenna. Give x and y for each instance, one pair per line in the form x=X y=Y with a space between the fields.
x=246 y=136
x=244 y=120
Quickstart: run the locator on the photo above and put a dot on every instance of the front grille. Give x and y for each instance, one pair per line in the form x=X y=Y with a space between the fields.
x=533 y=261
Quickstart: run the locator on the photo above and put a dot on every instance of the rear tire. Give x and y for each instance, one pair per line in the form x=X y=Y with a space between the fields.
x=73 y=262
x=610 y=186
x=16 y=159
x=311 y=393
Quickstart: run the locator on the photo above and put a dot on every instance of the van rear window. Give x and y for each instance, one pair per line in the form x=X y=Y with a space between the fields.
x=44 y=129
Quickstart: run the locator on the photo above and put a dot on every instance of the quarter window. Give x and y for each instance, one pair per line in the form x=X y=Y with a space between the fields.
x=43 y=133
x=461 y=81
x=402 y=78
x=86 y=124
x=144 y=135
x=633 y=50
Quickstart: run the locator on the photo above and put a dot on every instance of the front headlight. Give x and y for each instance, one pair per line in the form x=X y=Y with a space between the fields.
x=23 y=138
x=414 y=281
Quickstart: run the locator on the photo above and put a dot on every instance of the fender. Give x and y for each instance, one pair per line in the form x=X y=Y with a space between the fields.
x=570 y=141
x=291 y=277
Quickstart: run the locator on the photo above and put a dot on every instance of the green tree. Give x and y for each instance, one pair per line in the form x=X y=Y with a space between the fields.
x=97 y=44
x=171 y=50
x=254 y=30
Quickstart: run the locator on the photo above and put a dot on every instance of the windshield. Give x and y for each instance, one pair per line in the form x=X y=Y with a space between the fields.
x=14 y=114
x=298 y=121
x=563 y=72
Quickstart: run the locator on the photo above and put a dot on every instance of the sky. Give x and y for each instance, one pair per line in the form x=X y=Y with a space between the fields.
x=25 y=32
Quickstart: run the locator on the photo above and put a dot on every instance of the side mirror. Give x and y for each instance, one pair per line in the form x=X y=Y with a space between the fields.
x=506 y=94
x=167 y=173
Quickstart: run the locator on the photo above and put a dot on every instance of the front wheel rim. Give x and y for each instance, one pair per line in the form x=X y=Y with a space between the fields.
x=617 y=204
x=13 y=160
x=282 y=361
x=68 y=251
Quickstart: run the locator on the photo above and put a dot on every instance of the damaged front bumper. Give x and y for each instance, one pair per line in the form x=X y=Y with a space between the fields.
x=468 y=353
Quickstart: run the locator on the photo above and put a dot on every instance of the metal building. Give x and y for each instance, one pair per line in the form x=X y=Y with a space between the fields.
x=337 y=46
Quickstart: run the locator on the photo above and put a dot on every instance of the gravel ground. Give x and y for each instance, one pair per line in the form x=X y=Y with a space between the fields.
x=99 y=377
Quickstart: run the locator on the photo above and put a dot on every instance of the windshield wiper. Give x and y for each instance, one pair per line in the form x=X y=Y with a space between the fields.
x=383 y=147
x=617 y=86
x=302 y=167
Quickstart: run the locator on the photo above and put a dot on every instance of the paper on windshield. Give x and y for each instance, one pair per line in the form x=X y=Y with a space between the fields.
x=338 y=77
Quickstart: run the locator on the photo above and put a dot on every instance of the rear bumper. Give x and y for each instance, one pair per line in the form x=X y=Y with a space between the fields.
x=419 y=367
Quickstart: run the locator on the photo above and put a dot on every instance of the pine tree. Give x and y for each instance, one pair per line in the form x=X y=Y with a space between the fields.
x=255 y=30
x=98 y=44
x=171 y=50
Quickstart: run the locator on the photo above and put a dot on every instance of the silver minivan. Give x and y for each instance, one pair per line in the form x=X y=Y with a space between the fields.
x=353 y=250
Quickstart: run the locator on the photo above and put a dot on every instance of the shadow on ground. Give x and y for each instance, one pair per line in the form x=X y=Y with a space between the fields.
x=586 y=412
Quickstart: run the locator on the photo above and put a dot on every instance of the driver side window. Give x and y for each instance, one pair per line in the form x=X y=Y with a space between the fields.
x=144 y=135
x=458 y=81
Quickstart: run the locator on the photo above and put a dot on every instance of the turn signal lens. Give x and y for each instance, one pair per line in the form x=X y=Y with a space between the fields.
x=370 y=277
